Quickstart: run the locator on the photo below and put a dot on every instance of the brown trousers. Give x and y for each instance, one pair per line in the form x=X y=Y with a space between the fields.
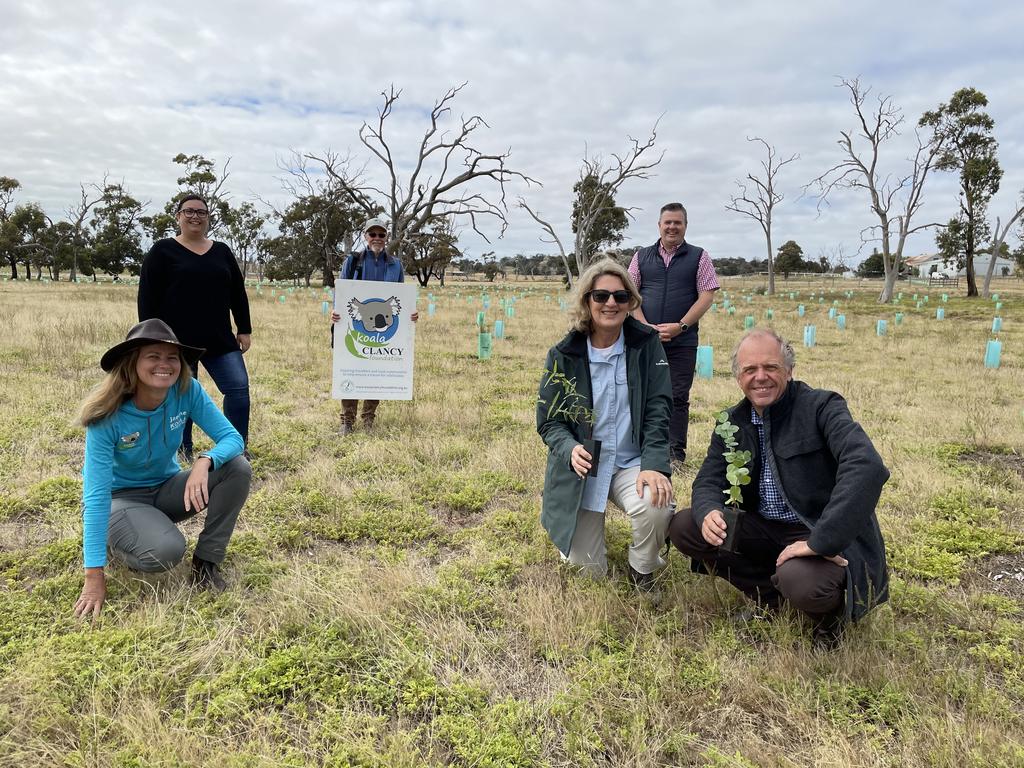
x=813 y=585
x=348 y=411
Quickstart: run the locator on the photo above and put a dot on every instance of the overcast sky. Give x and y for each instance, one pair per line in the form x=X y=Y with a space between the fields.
x=88 y=88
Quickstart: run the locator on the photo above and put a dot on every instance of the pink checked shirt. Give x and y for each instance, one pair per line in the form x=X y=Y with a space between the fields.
x=707 y=280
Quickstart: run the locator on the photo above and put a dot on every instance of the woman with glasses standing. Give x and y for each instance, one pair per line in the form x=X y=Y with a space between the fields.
x=373 y=263
x=607 y=377
x=194 y=285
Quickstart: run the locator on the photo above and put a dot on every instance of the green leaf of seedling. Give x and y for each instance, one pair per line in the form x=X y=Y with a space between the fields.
x=722 y=416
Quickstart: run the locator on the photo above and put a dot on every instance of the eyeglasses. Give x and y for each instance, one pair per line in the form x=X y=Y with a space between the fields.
x=194 y=213
x=600 y=296
x=376 y=235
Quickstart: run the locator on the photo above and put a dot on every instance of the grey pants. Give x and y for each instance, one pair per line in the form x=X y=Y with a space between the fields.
x=142 y=530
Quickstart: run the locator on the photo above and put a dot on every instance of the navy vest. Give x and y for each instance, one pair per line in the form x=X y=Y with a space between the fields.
x=669 y=292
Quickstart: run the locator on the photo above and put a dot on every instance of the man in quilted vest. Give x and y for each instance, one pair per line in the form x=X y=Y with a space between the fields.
x=677 y=282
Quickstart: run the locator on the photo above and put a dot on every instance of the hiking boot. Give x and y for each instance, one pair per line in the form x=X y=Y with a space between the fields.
x=207 y=576
x=828 y=633
x=753 y=611
x=644 y=582
x=347 y=428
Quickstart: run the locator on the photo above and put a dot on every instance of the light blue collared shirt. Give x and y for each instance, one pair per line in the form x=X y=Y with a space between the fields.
x=612 y=422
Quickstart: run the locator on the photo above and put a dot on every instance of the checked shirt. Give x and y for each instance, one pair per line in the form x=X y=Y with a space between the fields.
x=773 y=503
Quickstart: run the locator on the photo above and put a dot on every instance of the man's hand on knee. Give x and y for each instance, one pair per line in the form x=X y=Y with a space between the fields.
x=801 y=549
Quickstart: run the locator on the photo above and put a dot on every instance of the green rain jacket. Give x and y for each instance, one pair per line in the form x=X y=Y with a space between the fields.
x=650 y=404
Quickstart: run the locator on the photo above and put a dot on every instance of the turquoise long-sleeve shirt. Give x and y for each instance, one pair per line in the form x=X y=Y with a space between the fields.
x=133 y=448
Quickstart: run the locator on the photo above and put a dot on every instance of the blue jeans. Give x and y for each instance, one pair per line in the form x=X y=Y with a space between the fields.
x=229 y=374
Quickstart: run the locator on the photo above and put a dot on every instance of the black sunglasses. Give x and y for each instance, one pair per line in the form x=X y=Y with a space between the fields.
x=601 y=296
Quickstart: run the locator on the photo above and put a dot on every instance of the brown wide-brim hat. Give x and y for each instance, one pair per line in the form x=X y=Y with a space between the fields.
x=151 y=331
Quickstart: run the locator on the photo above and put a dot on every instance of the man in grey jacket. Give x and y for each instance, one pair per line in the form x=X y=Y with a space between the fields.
x=809 y=534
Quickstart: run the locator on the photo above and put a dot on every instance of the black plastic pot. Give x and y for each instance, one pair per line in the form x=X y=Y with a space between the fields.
x=593 y=447
x=733 y=517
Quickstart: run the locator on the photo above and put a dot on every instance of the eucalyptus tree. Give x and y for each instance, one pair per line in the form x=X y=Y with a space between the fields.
x=964 y=130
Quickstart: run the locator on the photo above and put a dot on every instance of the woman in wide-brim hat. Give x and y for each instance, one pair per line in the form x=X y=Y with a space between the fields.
x=134 y=492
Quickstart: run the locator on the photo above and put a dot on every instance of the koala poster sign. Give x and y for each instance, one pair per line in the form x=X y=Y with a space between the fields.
x=373 y=341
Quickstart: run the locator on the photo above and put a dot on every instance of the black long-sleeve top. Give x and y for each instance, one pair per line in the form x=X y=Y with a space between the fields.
x=194 y=294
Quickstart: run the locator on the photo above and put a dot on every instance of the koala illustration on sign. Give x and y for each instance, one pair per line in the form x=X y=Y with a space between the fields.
x=375 y=314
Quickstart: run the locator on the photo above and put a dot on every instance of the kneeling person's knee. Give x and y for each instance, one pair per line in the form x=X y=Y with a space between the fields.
x=811 y=584
x=159 y=554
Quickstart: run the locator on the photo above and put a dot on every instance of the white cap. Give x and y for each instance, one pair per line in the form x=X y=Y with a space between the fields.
x=376 y=222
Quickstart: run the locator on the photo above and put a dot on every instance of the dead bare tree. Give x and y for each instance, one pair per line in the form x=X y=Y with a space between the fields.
x=549 y=236
x=435 y=188
x=91 y=196
x=758 y=199
x=895 y=201
x=603 y=180
x=998 y=238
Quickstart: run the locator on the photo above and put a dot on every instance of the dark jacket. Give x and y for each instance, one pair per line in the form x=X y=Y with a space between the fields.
x=830 y=474
x=669 y=292
x=383 y=268
x=650 y=403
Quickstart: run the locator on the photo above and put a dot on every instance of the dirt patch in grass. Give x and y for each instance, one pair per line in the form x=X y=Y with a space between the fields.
x=1012 y=461
x=1002 y=574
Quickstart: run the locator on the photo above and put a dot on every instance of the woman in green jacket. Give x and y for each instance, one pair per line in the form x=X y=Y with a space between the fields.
x=607 y=380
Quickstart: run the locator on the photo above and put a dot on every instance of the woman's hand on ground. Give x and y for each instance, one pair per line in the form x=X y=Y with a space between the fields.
x=94 y=592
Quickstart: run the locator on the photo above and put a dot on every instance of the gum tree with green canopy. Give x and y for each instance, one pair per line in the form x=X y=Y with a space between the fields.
x=607 y=221
x=894 y=199
x=964 y=130
x=199 y=176
x=759 y=198
x=23 y=239
x=243 y=229
x=115 y=223
x=429 y=253
x=594 y=213
x=321 y=215
x=8 y=187
x=790 y=258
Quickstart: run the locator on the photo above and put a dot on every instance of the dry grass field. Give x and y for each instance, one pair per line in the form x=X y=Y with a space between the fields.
x=395 y=601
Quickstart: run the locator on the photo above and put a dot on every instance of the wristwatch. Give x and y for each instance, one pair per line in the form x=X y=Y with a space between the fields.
x=683 y=327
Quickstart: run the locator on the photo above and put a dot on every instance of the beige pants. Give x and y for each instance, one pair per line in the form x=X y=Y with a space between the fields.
x=649 y=523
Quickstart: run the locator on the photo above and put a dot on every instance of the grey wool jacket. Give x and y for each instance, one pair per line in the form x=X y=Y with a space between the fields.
x=830 y=474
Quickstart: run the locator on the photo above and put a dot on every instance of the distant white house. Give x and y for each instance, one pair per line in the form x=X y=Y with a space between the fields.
x=933 y=263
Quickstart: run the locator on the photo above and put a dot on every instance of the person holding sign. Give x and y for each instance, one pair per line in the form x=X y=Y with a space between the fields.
x=608 y=381
x=373 y=263
x=134 y=491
